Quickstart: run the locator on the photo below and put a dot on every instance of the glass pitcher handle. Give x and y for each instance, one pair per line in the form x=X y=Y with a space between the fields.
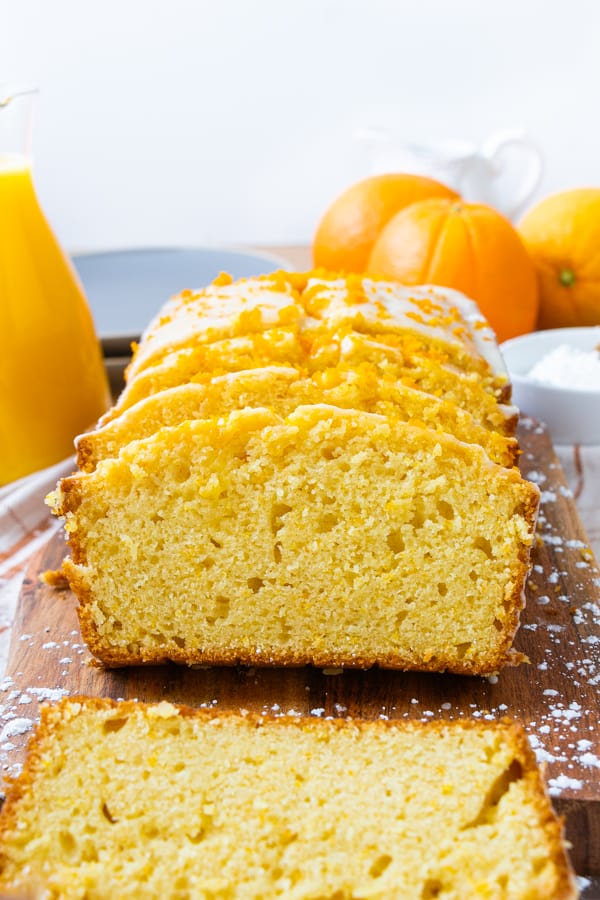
x=493 y=149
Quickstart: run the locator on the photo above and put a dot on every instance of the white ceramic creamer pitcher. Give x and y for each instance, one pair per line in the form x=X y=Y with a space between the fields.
x=504 y=171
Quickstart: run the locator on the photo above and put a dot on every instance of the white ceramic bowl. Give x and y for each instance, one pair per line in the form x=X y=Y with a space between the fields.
x=571 y=414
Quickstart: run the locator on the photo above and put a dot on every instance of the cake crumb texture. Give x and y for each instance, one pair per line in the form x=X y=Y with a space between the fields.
x=127 y=800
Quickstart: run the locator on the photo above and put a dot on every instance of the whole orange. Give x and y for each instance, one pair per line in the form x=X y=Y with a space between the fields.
x=466 y=246
x=350 y=226
x=562 y=235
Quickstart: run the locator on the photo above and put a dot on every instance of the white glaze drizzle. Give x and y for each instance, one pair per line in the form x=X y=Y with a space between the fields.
x=213 y=314
x=392 y=307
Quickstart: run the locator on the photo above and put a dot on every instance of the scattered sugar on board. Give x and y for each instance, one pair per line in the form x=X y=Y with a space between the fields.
x=557 y=785
x=537 y=477
x=590 y=759
x=569 y=367
x=14 y=727
x=558 y=720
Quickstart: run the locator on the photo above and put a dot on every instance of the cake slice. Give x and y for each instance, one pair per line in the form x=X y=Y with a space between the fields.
x=333 y=537
x=126 y=800
x=282 y=389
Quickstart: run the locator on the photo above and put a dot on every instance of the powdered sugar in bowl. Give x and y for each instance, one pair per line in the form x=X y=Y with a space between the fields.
x=556 y=379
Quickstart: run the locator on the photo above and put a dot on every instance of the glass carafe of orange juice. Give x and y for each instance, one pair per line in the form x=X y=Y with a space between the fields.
x=52 y=379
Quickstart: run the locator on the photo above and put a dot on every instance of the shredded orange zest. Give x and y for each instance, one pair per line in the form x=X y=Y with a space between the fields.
x=223 y=278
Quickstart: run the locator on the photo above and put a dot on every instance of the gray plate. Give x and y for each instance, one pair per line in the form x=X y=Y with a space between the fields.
x=125 y=288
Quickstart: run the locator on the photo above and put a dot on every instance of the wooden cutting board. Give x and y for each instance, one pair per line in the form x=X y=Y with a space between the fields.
x=555 y=696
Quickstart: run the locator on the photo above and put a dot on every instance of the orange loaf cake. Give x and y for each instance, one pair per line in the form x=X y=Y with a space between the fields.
x=119 y=801
x=332 y=536
x=305 y=469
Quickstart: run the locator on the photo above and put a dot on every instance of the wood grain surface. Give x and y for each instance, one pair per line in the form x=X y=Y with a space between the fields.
x=555 y=696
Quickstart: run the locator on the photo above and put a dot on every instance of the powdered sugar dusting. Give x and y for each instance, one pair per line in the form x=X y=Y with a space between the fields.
x=15 y=726
x=17 y=696
x=557 y=785
x=568 y=367
x=567 y=613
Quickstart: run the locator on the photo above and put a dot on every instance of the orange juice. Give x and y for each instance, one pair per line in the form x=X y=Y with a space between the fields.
x=52 y=379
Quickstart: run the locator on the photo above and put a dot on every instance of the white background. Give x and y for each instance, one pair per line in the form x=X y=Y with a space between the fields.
x=232 y=122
